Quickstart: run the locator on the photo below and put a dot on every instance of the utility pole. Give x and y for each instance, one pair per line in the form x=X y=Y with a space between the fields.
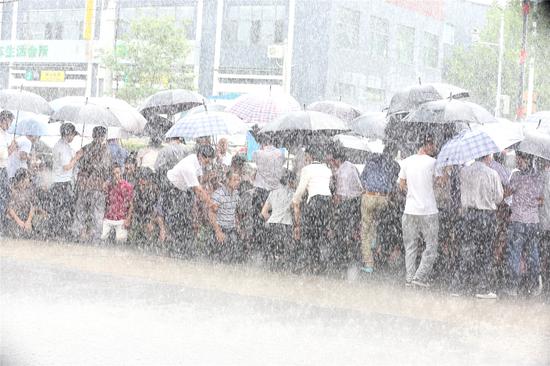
x=526 y=7
x=500 y=60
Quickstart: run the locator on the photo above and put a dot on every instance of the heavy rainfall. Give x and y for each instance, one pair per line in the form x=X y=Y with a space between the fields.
x=290 y=182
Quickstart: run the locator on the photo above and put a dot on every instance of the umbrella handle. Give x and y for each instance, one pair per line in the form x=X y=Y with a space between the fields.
x=17 y=114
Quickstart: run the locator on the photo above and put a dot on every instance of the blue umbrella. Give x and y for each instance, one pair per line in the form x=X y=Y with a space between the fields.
x=29 y=125
x=468 y=145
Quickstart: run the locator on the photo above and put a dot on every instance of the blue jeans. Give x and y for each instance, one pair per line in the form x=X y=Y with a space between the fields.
x=523 y=238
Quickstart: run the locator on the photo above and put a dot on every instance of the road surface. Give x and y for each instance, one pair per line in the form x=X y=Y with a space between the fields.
x=66 y=304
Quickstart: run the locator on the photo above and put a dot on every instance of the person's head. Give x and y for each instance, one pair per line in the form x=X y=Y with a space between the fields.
x=22 y=178
x=338 y=155
x=175 y=140
x=237 y=162
x=222 y=146
x=117 y=173
x=32 y=138
x=205 y=154
x=99 y=133
x=203 y=140
x=524 y=161
x=146 y=177
x=315 y=152
x=68 y=132
x=6 y=118
x=288 y=179
x=485 y=159
x=232 y=180
x=130 y=164
x=155 y=141
x=427 y=145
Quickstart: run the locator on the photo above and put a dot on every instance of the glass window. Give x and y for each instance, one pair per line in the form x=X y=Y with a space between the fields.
x=51 y=24
x=182 y=15
x=431 y=49
x=380 y=36
x=405 y=44
x=347 y=28
x=254 y=25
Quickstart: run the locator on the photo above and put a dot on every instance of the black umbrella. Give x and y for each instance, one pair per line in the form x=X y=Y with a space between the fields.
x=344 y=111
x=412 y=97
x=450 y=111
x=171 y=102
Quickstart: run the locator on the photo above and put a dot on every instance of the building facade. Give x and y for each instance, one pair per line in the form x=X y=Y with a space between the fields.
x=355 y=51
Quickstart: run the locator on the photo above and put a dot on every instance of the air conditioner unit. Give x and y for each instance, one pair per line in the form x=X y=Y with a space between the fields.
x=276 y=51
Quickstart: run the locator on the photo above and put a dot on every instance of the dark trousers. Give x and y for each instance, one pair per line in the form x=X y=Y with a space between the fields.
x=282 y=249
x=346 y=221
x=177 y=206
x=231 y=250
x=314 y=239
x=61 y=209
x=4 y=198
x=259 y=232
x=475 y=266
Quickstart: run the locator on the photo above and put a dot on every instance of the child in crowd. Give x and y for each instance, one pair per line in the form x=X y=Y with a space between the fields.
x=119 y=198
x=21 y=205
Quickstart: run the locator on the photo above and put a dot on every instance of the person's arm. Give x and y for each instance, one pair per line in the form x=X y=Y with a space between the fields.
x=13 y=215
x=28 y=223
x=128 y=220
x=499 y=190
x=402 y=184
x=265 y=210
x=71 y=164
x=203 y=196
x=162 y=227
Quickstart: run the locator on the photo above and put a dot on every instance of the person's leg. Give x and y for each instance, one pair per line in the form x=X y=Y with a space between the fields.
x=486 y=234
x=81 y=214
x=516 y=239
x=369 y=206
x=121 y=234
x=533 y=257
x=430 y=229
x=106 y=230
x=410 y=234
x=463 y=272
x=4 y=196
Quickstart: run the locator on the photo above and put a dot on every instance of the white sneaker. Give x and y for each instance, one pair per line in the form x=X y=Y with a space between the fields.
x=537 y=290
x=488 y=295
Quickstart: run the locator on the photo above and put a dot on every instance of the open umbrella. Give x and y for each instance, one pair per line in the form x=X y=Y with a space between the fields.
x=214 y=107
x=261 y=109
x=208 y=124
x=344 y=111
x=29 y=125
x=171 y=101
x=504 y=133
x=540 y=121
x=24 y=101
x=129 y=119
x=410 y=98
x=303 y=126
x=370 y=124
x=536 y=142
x=450 y=111
x=468 y=145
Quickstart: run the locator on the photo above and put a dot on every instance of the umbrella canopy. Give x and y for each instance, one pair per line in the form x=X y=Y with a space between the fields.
x=536 y=143
x=24 y=101
x=129 y=119
x=344 y=111
x=371 y=125
x=451 y=111
x=540 y=121
x=208 y=124
x=360 y=143
x=504 y=133
x=410 y=98
x=262 y=109
x=29 y=125
x=466 y=146
x=214 y=107
x=171 y=101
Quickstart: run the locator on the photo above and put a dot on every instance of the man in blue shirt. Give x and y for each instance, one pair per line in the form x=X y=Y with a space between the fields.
x=379 y=179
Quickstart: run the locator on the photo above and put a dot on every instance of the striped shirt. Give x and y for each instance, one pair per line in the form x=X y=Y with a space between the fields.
x=227 y=206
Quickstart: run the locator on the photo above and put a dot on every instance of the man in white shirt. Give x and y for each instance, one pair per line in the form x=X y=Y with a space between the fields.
x=179 y=198
x=421 y=214
x=6 y=118
x=480 y=191
x=62 y=196
x=20 y=157
x=313 y=229
x=223 y=155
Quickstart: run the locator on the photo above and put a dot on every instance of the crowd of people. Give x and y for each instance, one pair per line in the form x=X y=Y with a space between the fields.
x=480 y=229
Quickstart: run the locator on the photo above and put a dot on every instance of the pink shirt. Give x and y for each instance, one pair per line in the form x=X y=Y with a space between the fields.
x=119 y=198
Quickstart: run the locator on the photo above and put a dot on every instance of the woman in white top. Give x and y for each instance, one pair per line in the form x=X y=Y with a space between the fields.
x=311 y=226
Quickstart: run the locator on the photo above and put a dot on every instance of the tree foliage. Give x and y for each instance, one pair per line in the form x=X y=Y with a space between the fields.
x=475 y=67
x=151 y=57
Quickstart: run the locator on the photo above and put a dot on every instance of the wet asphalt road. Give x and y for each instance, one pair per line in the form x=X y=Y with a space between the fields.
x=65 y=304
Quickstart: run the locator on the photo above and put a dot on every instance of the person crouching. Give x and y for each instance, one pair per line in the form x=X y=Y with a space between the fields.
x=119 y=199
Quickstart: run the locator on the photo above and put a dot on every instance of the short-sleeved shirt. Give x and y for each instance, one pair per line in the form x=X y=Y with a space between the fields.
x=186 y=173
x=119 y=198
x=269 y=162
x=14 y=160
x=480 y=187
x=227 y=207
x=170 y=155
x=418 y=170
x=280 y=200
x=4 y=143
x=527 y=189
x=348 y=183
x=315 y=179
x=380 y=174
x=62 y=155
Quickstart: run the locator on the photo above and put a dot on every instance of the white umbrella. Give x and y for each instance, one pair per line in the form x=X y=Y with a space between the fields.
x=504 y=133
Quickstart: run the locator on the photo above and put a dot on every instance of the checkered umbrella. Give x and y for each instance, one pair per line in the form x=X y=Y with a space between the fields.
x=468 y=145
x=207 y=124
x=262 y=109
x=344 y=111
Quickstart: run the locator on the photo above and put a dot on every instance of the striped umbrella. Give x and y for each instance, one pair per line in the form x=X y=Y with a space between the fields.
x=207 y=124
x=262 y=109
